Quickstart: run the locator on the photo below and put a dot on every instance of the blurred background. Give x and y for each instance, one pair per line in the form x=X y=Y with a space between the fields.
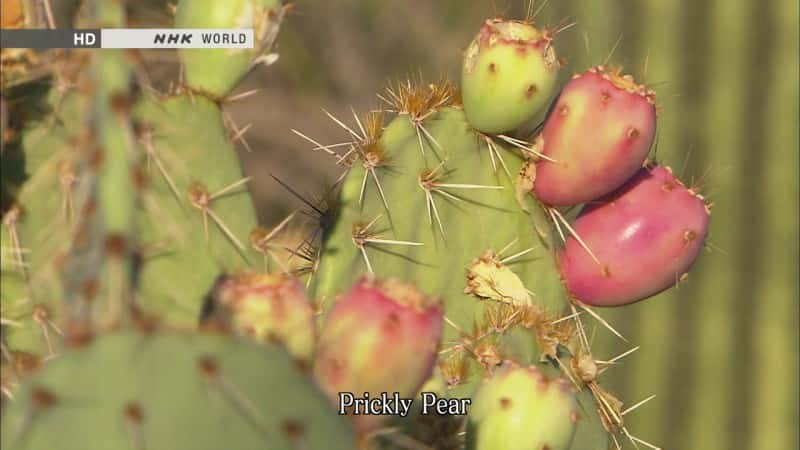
x=721 y=350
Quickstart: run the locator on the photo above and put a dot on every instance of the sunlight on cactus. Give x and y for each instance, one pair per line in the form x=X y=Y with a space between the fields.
x=463 y=255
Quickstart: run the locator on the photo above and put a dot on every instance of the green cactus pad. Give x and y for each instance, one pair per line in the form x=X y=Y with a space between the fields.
x=199 y=212
x=168 y=391
x=217 y=71
x=187 y=152
x=475 y=206
x=522 y=409
x=486 y=248
x=509 y=75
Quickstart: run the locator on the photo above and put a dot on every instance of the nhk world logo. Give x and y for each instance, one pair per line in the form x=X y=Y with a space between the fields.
x=128 y=38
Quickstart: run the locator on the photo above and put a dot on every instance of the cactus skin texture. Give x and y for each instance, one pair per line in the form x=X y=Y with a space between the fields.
x=646 y=235
x=200 y=210
x=161 y=390
x=71 y=233
x=188 y=155
x=123 y=193
x=509 y=75
x=379 y=337
x=521 y=408
x=460 y=265
x=265 y=307
x=599 y=133
x=216 y=72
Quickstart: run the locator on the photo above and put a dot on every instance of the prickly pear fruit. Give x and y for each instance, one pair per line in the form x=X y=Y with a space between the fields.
x=382 y=336
x=598 y=133
x=645 y=236
x=523 y=409
x=265 y=307
x=159 y=390
x=217 y=71
x=509 y=75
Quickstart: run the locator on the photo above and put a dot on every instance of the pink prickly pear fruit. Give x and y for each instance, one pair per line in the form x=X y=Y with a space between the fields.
x=380 y=337
x=596 y=136
x=265 y=307
x=645 y=237
x=509 y=75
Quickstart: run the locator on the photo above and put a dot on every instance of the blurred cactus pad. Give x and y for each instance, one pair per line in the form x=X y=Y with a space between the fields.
x=572 y=223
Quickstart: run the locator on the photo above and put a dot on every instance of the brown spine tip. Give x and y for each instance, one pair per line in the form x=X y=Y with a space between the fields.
x=505 y=403
x=25 y=363
x=208 y=368
x=139 y=178
x=531 y=91
x=97 y=157
x=40 y=314
x=392 y=321
x=41 y=399
x=90 y=288
x=121 y=103
x=133 y=414
x=198 y=196
x=79 y=335
x=605 y=97
x=689 y=236
x=563 y=110
x=293 y=429
x=492 y=68
x=633 y=133
x=606 y=271
x=115 y=245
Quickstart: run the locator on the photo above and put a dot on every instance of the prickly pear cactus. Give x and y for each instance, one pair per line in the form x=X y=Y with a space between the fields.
x=138 y=186
x=445 y=261
x=435 y=203
x=162 y=390
x=439 y=197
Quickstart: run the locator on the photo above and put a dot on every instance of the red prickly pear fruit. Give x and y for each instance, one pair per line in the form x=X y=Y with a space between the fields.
x=266 y=307
x=597 y=135
x=380 y=337
x=645 y=236
x=509 y=75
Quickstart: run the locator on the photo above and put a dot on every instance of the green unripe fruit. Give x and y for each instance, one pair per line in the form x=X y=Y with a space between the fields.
x=523 y=409
x=217 y=71
x=509 y=75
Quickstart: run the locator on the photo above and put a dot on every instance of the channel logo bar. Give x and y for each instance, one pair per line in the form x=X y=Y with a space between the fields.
x=146 y=38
